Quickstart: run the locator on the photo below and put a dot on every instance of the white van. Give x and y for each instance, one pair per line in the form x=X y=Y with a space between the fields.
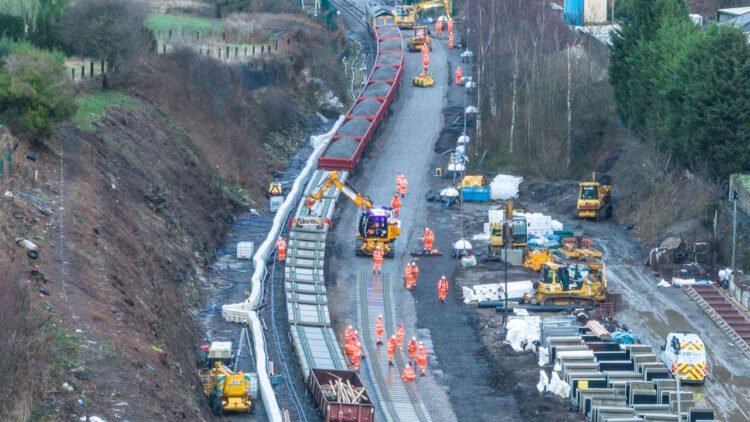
x=691 y=364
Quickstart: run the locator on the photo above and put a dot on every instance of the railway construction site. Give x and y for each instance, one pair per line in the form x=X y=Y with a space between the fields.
x=572 y=357
x=423 y=258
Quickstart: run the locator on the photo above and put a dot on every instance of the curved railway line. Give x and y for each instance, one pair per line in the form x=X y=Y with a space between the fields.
x=312 y=336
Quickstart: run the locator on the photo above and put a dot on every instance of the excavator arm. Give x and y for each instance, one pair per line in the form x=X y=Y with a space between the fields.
x=361 y=200
x=434 y=4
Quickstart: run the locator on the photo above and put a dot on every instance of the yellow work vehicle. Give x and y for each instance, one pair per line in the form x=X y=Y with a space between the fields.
x=507 y=221
x=420 y=36
x=406 y=15
x=594 y=200
x=377 y=226
x=560 y=284
x=227 y=391
x=424 y=80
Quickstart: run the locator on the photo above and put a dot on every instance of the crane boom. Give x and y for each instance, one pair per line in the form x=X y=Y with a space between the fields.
x=361 y=200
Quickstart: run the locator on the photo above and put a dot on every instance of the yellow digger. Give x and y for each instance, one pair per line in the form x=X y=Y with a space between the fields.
x=377 y=226
x=514 y=224
x=560 y=284
x=406 y=15
x=420 y=36
x=227 y=391
x=594 y=200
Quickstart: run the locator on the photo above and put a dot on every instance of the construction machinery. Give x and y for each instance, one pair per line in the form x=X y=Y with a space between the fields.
x=561 y=284
x=227 y=390
x=420 y=36
x=474 y=188
x=423 y=80
x=594 y=200
x=406 y=15
x=377 y=226
x=508 y=222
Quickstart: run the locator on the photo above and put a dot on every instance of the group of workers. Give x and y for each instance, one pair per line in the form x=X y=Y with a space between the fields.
x=411 y=274
x=416 y=351
x=439 y=30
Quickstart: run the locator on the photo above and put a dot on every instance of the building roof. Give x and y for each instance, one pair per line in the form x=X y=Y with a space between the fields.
x=736 y=11
x=742 y=22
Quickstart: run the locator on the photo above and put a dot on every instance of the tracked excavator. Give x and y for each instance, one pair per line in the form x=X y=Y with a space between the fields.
x=406 y=15
x=376 y=226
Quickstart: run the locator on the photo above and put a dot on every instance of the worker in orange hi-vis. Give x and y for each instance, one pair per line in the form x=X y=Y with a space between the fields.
x=356 y=356
x=396 y=205
x=400 y=337
x=442 y=289
x=422 y=358
x=459 y=75
x=411 y=349
x=379 y=329
x=408 y=276
x=377 y=260
x=451 y=39
x=281 y=248
x=450 y=25
x=439 y=27
x=408 y=375
x=348 y=333
x=391 y=349
x=414 y=274
x=401 y=182
x=428 y=238
x=425 y=50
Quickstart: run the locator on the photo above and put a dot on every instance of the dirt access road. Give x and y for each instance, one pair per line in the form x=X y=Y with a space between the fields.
x=460 y=384
x=652 y=312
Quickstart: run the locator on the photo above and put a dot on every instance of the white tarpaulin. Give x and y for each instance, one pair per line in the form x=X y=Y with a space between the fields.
x=521 y=332
x=539 y=224
x=495 y=291
x=504 y=187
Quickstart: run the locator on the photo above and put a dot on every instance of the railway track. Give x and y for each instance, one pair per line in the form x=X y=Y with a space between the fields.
x=397 y=400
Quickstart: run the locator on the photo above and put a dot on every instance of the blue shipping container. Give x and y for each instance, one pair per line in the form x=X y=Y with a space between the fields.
x=573 y=11
x=476 y=194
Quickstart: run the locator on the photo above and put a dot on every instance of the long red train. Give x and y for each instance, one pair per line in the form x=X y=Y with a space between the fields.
x=368 y=111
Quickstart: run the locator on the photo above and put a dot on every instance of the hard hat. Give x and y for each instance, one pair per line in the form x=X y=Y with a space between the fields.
x=413 y=263
x=413 y=338
x=349 y=326
x=380 y=316
x=356 y=332
x=420 y=343
x=393 y=336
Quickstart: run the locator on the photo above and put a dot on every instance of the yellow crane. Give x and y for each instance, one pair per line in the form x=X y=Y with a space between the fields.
x=406 y=15
x=377 y=226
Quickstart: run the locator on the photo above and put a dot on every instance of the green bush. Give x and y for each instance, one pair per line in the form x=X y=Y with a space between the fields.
x=11 y=27
x=34 y=92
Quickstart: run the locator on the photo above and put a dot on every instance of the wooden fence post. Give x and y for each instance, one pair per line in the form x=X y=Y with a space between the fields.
x=91 y=69
x=83 y=72
x=73 y=73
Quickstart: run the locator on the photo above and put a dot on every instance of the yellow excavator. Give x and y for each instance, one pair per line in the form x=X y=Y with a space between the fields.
x=377 y=226
x=515 y=226
x=561 y=284
x=594 y=200
x=420 y=36
x=406 y=15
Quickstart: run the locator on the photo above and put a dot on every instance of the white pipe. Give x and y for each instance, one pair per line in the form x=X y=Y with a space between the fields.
x=259 y=260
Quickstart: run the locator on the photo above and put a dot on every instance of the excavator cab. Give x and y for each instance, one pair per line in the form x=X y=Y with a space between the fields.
x=374 y=224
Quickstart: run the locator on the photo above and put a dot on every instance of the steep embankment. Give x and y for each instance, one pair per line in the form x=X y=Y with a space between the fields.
x=136 y=213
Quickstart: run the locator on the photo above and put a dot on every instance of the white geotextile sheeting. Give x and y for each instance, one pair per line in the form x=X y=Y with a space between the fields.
x=269 y=398
x=558 y=386
x=539 y=224
x=522 y=332
x=495 y=291
x=504 y=186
